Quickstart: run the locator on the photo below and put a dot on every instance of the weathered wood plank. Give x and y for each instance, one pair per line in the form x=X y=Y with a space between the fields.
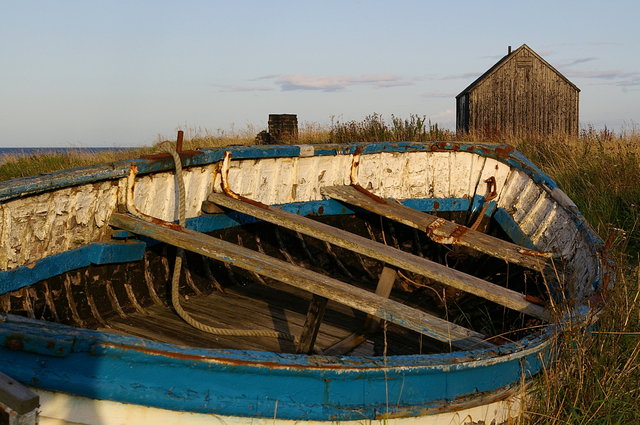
x=389 y=255
x=313 y=282
x=384 y=287
x=346 y=345
x=19 y=401
x=438 y=229
x=312 y=324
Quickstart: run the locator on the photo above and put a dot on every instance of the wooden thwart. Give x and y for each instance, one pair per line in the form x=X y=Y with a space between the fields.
x=310 y=281
x=401 y=259
x=439 y=229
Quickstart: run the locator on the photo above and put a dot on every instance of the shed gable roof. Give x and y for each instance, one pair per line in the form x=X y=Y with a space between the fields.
x=504 y=60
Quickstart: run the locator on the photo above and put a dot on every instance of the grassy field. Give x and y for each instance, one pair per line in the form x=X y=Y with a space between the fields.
x=599 y=381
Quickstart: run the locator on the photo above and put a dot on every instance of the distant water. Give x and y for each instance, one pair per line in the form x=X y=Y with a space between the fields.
x=40 y=151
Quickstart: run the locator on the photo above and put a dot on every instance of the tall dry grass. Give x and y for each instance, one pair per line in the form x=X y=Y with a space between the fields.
x=597 y=377
x=15 y=166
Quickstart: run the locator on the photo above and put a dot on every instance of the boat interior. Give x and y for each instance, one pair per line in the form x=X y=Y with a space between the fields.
x=368 y=252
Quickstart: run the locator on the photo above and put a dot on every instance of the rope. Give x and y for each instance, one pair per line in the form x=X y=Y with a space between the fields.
x=175 y=296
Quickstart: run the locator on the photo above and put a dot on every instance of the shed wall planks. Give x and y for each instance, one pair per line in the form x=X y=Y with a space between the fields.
x=523 y=95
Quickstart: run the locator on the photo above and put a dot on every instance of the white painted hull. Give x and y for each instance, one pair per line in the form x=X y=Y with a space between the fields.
x=65 y=409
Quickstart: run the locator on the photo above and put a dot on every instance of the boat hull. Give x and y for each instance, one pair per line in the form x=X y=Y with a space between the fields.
x=54 y=225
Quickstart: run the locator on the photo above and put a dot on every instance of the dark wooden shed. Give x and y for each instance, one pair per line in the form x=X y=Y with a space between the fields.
x=520 y=95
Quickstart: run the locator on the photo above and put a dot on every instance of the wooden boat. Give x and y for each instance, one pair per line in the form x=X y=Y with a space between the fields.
x=385 y=282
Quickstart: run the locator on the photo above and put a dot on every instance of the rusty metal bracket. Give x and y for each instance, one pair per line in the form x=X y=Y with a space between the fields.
x=492 y=194
x=353 y=176
x=226 y=188
x=133 y=173
x=435 y=234
x=166 y=155
x=355 y=162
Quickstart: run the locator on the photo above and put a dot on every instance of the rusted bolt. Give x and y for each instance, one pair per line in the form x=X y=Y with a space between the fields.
x=14 y=343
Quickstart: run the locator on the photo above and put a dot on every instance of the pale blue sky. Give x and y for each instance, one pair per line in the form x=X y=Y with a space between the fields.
x=118 y=73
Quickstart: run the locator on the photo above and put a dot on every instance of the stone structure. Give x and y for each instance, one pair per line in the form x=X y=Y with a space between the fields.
x=283 y=128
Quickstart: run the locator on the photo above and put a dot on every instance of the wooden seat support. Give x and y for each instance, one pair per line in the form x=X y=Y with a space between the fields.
x=312 y=323
x=439 y=229
x=401 y=259
x=371 y=324
x=310 y=281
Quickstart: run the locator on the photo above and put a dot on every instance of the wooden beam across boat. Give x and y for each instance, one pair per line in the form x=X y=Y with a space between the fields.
x=404 y=260
x=438 y=229
x=300 y=277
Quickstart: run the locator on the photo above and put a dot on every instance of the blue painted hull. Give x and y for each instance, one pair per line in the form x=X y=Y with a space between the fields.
x=250 y=383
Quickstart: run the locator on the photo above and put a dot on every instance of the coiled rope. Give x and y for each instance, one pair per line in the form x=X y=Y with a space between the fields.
x=175 y=281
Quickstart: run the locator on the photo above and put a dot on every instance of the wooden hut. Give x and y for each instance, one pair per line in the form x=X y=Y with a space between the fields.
x=520 y=95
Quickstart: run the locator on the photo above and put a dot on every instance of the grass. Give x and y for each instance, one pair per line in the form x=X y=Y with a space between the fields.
x=597 y=380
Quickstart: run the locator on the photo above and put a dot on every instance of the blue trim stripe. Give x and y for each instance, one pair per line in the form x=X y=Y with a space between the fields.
x=511 y=228
x=434 y=205
x=96 y=253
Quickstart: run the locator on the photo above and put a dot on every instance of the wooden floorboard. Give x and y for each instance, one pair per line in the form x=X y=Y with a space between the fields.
x=298 y=302
x=266 y=311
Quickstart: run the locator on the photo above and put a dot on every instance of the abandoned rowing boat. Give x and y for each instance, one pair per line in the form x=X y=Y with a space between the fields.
x=392 y=282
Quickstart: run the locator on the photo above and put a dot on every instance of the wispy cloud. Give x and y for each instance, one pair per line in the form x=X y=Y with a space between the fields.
x=336 y=83
x=586 y=43
x=265 y=77
x=631 y=82
x=313 y=82
x=604 y=43
x=579 y=61
x=465 y=75
x=603 y=75
x=239 y=88
x=628 y=81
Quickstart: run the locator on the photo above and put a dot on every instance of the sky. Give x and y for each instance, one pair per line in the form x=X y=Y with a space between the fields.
x=112 y=73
